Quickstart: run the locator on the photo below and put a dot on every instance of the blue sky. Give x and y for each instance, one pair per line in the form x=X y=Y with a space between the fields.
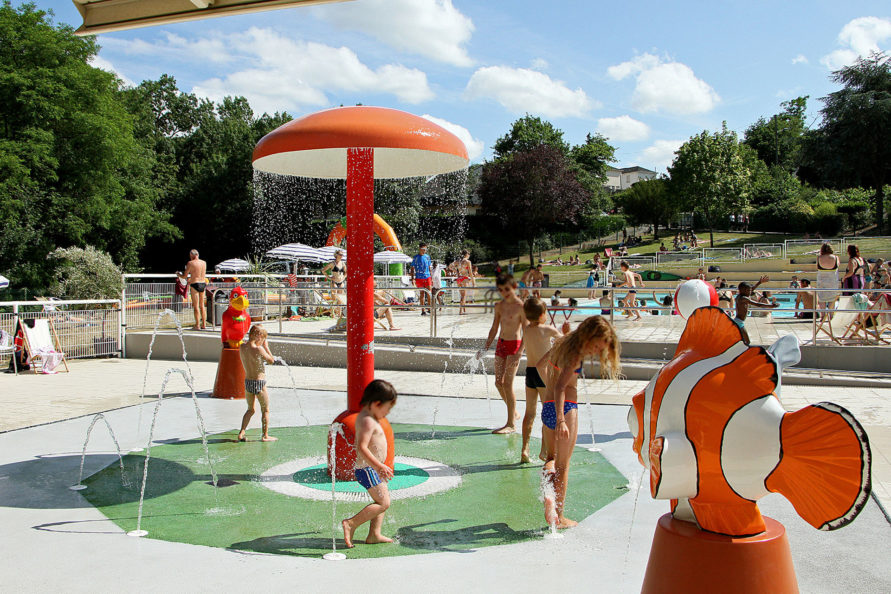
x=648 y=77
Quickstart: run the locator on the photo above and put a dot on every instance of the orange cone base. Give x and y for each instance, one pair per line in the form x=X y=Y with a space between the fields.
x=686 y=559
x=345 y=449
x=230 y=375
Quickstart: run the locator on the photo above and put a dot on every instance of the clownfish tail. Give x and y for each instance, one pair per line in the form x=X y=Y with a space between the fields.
x=824 y=469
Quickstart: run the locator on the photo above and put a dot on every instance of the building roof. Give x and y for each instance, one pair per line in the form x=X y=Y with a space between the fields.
x=630 y=169
x=104 y=16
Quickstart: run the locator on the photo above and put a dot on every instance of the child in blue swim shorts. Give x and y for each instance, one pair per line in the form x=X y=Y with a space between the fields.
x=371 y=451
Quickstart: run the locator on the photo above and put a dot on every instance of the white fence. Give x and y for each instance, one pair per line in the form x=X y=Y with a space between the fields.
x=764 y=251
x=86 y=328
x=721 y=255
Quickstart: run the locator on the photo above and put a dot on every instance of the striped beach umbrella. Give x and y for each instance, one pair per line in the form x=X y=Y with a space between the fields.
x=233 y=265
x=329 y=250
x=297 y=251
x=4 y=282
x=391 y=257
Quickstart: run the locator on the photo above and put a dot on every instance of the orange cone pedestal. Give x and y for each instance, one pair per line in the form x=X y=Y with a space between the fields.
x=345 y=450
x=684 y=559
x=230 y=375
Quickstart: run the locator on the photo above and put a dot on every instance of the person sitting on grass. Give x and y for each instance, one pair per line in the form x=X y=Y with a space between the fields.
x=744 y=301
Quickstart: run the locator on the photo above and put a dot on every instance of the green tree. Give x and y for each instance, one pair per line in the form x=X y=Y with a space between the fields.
x=85 y=273
x=712 y=175
x=777 y=140
x=72 y=171
x=648 y=201
x=531 y=192
x=527 y=133
x=851 y=148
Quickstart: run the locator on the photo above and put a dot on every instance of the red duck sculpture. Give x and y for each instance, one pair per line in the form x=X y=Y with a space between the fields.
x=236 y=320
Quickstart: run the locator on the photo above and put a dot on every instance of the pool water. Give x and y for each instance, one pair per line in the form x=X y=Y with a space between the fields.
x=786 y=301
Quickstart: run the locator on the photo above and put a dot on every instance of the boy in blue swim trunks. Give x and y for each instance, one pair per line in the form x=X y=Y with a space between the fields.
x=744 y=301
x=371 y=450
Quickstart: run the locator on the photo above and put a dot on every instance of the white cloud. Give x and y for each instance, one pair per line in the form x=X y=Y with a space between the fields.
x=623 y=129
x=799 y=59
x=103 y=64
x=660 y=154
x=539 y=64
x=286 y=74
x=858 y=38
x=431 y=28
x=665 y=86
x=474 y=146
x=523 y=90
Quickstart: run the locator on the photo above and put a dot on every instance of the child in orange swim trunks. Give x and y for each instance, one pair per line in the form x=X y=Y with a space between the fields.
x=509 y=317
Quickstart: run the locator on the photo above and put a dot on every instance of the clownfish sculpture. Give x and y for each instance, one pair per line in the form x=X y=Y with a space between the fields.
x=712 y=432
x=236 y=320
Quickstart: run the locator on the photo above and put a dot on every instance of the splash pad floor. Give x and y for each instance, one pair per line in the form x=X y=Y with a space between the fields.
x=56 y=538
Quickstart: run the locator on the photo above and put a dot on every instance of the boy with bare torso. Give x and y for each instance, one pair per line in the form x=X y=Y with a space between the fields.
x=371 y=452
x=538 y=337
x=255 y=354
x=744 y=301
x=511 y=321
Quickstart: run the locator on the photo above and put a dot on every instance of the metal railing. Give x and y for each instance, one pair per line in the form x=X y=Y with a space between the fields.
x=86 y=328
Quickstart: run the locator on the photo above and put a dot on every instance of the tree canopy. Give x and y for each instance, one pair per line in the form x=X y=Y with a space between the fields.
x=649 y=201
x=712 y=174
x=851 y=148
x=527 y=133
x=777 y=141
x=532 y=191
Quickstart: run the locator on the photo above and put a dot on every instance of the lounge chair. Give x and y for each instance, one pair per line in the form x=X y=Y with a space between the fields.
x=43 y=345
x=840 y=325
x=7 y=345
x=874 y=322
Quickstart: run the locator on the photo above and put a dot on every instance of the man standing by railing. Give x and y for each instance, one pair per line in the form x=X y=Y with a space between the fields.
x=420 y=268
x=196 y=274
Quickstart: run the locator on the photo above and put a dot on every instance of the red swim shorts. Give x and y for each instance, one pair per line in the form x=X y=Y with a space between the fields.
x=423 y=283
x=507 y=348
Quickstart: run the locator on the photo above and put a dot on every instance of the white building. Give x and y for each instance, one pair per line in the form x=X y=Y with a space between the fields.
x=622 y=179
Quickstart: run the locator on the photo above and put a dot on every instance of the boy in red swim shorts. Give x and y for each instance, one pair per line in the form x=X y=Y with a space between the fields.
x=509 y=317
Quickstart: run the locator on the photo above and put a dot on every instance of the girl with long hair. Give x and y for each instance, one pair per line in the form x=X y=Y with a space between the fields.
x=560 y=368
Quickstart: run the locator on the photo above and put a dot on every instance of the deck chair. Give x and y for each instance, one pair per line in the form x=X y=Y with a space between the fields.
x=874 y=322
x=7 y=345
x=840 y=326
x=43 y=345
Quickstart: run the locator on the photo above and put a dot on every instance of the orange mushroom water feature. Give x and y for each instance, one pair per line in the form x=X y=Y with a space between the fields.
x=359 y=144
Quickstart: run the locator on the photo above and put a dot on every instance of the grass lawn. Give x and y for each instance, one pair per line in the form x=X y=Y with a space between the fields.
x=650 y=247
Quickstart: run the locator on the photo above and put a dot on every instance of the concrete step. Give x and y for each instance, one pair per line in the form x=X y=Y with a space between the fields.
x=861 y=366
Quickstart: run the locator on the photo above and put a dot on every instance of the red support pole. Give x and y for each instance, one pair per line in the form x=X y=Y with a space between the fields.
x=360 y=273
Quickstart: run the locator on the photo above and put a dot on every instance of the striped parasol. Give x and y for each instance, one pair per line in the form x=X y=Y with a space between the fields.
x=329 y=250
x=297 y=251
x=391 y=257
x=233 y=265
x=4 y=282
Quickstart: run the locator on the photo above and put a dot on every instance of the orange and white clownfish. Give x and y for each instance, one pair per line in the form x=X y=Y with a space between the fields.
x=712 y=432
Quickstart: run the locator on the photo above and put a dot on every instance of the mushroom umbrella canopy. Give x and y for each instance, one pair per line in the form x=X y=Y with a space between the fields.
x=359 y=144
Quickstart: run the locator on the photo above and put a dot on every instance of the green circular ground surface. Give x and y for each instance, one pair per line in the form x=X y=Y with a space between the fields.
x=497 y=502
x=316 y=477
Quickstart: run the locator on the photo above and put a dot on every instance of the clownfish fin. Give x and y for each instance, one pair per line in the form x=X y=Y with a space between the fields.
x=824 y=470
x=709 y=332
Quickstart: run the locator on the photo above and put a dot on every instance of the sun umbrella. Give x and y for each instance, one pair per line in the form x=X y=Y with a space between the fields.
x=4 y=282
x=391 y=257
x=233 y=265
x=329 y=250
x=297 y=251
